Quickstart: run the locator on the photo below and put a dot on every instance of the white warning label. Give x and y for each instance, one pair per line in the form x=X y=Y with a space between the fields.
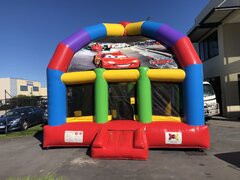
x=73 y=136
x=173 y=137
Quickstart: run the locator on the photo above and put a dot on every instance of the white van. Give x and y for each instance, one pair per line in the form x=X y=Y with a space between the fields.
x=211 y=107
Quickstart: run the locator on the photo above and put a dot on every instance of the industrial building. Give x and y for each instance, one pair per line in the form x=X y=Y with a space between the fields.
x=11 y=87
x=217 y=40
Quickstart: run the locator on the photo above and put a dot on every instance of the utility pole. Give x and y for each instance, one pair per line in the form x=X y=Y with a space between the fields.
x=5 y=96
x=7 y=93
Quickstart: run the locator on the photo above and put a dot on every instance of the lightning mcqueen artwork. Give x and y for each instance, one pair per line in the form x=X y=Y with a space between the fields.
x=115 y=60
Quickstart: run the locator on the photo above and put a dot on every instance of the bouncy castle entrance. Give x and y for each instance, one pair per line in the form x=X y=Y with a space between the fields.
x=122 y=99
x=80 y=100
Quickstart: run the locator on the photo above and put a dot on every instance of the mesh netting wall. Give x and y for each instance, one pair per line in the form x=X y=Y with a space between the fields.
x=166 y=99
x=80 y=100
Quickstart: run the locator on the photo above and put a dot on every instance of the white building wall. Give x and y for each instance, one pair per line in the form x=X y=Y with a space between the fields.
x=13 y=87
x=4 y=85
x=30 y=85
x=44 y=91
x=231 y=68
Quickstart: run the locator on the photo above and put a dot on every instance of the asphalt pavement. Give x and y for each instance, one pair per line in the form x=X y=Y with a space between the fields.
x=21 y=157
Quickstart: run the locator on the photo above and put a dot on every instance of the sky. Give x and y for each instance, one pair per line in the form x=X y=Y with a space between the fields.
x=30 y=30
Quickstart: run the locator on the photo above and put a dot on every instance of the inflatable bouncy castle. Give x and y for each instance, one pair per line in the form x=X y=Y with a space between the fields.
x=121 y=89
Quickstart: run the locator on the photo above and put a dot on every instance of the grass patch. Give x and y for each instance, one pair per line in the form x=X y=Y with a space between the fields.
x=29 y=132
x=48 y=177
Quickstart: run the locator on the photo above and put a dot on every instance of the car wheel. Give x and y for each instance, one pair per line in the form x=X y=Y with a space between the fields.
x=24 y=125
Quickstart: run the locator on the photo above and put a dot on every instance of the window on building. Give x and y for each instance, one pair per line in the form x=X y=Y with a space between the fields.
x=23 y=88
x=201 y=51
x=35 y=88
x=209 y=47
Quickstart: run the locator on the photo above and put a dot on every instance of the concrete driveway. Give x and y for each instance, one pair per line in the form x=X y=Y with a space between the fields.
x=21 y=157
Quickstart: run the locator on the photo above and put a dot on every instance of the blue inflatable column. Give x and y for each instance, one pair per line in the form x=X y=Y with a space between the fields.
x=56 y=98
x=193 y=95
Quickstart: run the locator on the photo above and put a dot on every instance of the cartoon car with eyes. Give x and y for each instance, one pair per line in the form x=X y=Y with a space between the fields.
x=115 y=60
x=96 y=47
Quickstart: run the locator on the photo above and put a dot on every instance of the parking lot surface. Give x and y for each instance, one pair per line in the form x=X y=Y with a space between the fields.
x=21 y=157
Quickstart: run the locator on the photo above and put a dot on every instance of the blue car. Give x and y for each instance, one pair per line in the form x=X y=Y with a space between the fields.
x=21 y=118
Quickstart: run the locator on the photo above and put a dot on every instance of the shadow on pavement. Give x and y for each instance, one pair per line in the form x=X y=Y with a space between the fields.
x=187 y=151
x=39 y=136
x=221 y=118
x=232 y=158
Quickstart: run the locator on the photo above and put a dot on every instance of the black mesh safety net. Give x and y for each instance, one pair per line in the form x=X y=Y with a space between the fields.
x=122 y=100
x=80 y=100
x=166 y=99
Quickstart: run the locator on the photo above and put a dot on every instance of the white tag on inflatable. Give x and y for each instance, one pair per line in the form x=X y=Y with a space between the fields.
x=73 y=136
x=173 y=137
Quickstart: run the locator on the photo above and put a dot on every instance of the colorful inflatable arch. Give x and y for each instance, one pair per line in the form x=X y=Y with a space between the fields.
x=126 y=139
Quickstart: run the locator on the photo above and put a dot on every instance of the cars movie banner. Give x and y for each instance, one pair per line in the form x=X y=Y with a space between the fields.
x=122 y=53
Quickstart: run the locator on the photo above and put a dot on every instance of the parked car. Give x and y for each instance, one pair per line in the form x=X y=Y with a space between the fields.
x=115 y=60
x=21 y=118
x=45 y=116
x=211 y=107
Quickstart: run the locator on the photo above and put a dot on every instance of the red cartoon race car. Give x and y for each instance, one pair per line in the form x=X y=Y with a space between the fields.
x=96 y=47
x=115 y=60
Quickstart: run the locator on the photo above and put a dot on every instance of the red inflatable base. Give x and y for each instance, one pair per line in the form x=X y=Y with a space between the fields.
x=127 y=136
x=120 y=144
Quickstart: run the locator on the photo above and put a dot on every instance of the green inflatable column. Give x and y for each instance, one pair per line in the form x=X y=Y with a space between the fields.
x=144 y=96
x=101 y=97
